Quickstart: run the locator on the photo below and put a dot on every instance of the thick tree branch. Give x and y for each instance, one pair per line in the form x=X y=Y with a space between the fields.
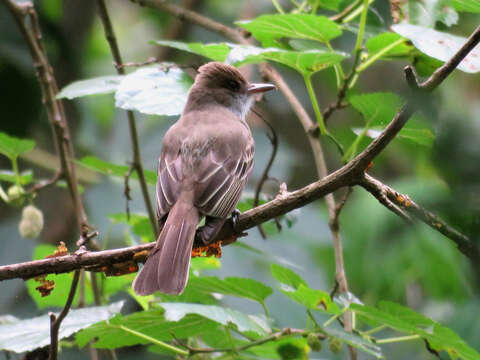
x=137 y=159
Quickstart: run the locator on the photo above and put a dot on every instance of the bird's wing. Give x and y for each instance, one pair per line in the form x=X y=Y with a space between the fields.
x=221 y=177
x=169 y=181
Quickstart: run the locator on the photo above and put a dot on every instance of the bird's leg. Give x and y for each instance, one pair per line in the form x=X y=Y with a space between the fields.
x=207 y=232
x=235 y=215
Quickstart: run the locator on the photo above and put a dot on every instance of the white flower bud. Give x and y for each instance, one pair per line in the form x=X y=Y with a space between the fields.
x=31 y=223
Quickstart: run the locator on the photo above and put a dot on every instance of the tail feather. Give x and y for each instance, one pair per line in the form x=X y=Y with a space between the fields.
x=167 y=267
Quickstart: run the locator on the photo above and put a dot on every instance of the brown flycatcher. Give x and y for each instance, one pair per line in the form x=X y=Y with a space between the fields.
x=205 y=161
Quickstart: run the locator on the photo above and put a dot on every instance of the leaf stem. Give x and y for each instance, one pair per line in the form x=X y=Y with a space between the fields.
x=378 y=55
x=278 y=7
x=398 y=339
x=374 y=330
x=308 y=83
x=265 y=309
x=334 y=317
x=361 y=27
x=153 y=340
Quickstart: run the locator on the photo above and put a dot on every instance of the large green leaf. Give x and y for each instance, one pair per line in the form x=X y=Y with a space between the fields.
x=225 y=316
x=241 y=287
x=104 y=167
x=472 y=6
x=406 y=320
x=157 y=90
x=270 y=28
x=139 y=223
x=95 y=86
x=30 y=334
x=110 y=335
x=439 y=45
x=216 y=52
x=378 y=109
x=12 y=147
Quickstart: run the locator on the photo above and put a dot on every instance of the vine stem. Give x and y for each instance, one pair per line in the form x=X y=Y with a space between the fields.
x=361 y=28
x=321 y=124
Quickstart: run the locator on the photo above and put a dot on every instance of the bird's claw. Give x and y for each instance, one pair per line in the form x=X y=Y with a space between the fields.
x=235 y=216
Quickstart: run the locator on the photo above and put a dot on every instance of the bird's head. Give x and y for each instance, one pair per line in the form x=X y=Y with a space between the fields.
x=224 y=85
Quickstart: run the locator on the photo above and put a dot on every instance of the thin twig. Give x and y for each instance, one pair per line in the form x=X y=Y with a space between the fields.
x=137 y=159
x=56 y=321
x=272 y=136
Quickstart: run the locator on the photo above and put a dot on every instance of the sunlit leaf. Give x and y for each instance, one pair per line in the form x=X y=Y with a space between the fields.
x=157 y=90
x=225 y=316
x=95 y=86
x=104 y=167
x=305 y=62
x=216 y=52
x=472 y=6
x=12 y=147
x=440 y=45
x=378 y=109
x=427 y=12
x=268 y=29
x=30 y=334
x=379 y=42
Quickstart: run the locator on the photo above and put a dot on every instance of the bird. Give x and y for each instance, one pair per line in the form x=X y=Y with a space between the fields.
x=204 y=164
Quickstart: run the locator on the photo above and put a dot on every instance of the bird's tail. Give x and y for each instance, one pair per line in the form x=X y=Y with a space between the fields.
x=167 y=266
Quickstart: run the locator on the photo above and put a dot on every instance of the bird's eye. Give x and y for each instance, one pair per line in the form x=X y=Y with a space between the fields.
x=233 y=85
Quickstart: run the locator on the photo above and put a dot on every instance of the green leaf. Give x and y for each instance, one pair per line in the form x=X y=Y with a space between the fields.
x=240 y=287
x=244 y=323
x=287 y=277
x=268 y=29
x=379 y=109
x=30 y=334
x=26 y=177
x=313 y=299
x=110 y=336
x=439 y=45
x=215 y=52
x=472 y=6
x=286 y=348
x=305 y=62
x=379 y=42
x=95 y=86
x=103 y=167
x=403 y=319
x=156 y=90
x=12 y=147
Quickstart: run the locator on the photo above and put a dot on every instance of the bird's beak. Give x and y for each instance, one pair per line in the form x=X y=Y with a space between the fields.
x=260 y=88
